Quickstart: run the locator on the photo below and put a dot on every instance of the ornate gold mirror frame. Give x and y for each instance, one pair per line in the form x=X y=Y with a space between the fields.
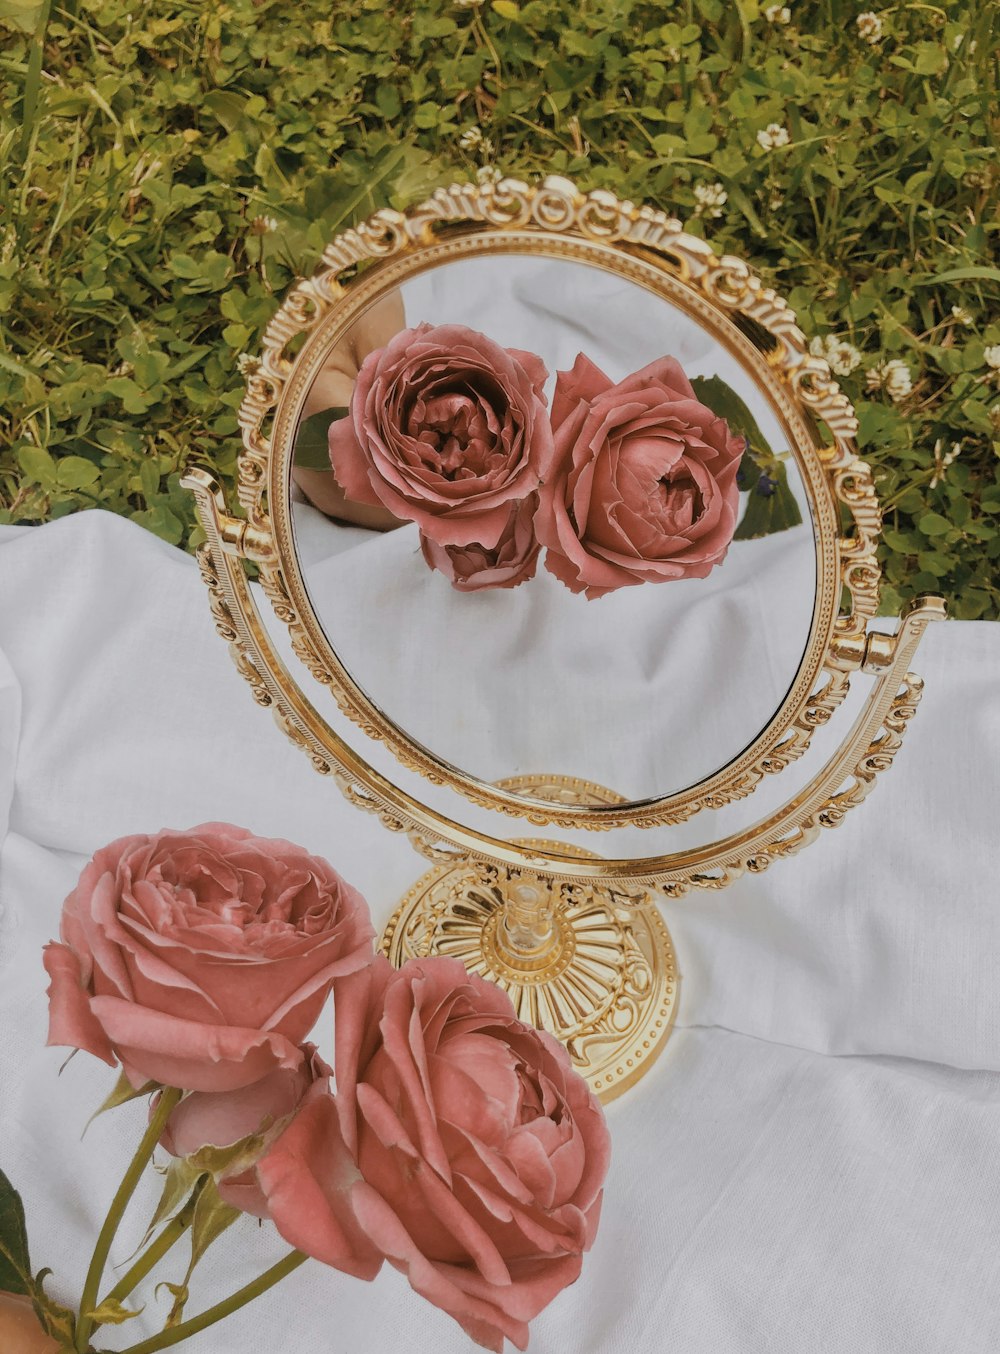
x=575 y=939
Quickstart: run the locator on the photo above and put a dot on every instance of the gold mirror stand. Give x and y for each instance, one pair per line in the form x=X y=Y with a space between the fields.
x=592 y=964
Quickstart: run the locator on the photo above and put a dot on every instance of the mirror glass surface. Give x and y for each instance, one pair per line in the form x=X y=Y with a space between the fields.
x=648 y=689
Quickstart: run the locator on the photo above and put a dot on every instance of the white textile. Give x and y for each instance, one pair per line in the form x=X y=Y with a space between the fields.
x=812 y=1166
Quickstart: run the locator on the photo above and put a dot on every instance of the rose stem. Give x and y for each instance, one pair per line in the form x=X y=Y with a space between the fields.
x=171 y=1234
x=169 y=1097
x=221 y=1309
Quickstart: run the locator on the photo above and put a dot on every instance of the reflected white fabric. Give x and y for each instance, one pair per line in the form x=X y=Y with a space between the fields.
x=812 y=1164
x=506 y=682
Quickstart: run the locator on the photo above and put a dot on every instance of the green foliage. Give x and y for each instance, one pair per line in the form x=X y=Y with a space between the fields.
x=15 y=1268
x=210 y=1219
x=175 y=165
x=311 y=443
x=771 y=506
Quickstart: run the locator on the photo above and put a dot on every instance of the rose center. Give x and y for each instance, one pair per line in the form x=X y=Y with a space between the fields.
x=680 y=503
x=458 y=440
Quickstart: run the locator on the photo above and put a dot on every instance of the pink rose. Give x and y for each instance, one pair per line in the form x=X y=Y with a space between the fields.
x=253 y=1117
x=202 y=959
x=644 y=488
x=461 y=1146
x=447 y=429
x=511 y=561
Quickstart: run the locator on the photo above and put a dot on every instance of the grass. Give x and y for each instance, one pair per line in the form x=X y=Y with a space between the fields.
x=167 y=168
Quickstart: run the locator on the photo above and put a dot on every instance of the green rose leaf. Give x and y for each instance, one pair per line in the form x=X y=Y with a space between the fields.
x=15 y=1266
x=772 y=506
x=311 y=446
x=59 y=1321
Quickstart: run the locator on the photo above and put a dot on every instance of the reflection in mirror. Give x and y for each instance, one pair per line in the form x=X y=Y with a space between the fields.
x=634 y=620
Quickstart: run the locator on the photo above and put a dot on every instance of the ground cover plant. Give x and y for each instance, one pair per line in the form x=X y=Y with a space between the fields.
x=166 y=169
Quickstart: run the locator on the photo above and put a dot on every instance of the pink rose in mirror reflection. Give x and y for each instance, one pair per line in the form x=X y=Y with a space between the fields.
x=644 y=488
x=511 y=561
x=448 y=430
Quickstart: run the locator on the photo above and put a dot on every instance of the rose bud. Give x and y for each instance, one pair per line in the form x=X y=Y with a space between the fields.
x=249 y=1120
x=473 y=568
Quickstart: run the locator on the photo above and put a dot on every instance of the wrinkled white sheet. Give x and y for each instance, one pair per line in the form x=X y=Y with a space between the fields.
x=813 y=1164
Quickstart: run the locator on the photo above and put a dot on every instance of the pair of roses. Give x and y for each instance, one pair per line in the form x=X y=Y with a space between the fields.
x=458 y=1144
x=622 y=483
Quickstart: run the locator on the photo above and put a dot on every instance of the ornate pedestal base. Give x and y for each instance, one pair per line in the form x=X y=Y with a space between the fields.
x=605 y=982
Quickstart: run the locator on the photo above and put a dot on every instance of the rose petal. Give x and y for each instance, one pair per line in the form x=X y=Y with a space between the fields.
x=72 y=1023
x=310 y=1181
x=187 y=1053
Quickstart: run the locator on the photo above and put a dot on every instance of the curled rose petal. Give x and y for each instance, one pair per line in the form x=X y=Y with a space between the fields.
x=474 y=568
x=448 y=430
x=460 y=1146
x=644 y=488
x=202 y=959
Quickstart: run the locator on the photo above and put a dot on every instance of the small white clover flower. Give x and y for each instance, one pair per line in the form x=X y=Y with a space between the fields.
x=472 y=138
x=991 y=356
x=488 y=174
x=247 y=364
x=995 y=416
x=776 y=201
x=263 y=225
x=941 y=463
x=841 y=357
x=870 y=27
x=961 y=316
x=772 y=136
x=778 y=14
x=893 y=377
x=711 y=198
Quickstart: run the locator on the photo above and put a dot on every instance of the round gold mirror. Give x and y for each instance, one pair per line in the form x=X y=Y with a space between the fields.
x=562 y=527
